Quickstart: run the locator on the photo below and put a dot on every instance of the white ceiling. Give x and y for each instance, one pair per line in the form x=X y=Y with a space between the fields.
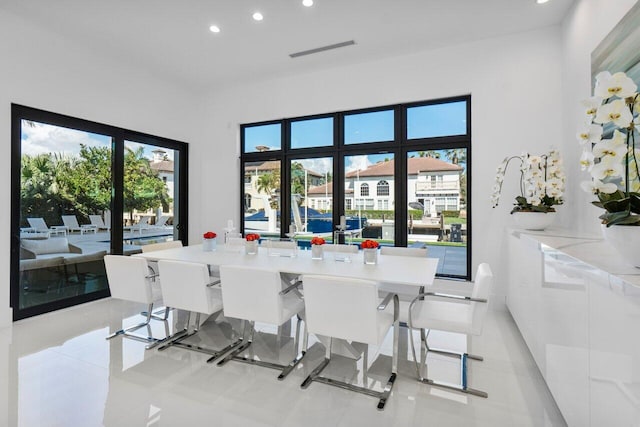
x=172 y=37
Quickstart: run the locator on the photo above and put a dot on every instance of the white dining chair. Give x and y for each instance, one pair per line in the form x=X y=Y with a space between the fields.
x=258 y=295
x=350 y=309
x=451 y=313
x=187 y=286
x=153 y=267
x=342 y=253
x=406 y=293
x=129 y=280
x=283 y=248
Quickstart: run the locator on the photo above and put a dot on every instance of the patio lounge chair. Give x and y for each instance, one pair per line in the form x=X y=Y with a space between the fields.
x=71 y=222
x=162 y=221
x=143 y=224
x=97 y=221
x=37 y=225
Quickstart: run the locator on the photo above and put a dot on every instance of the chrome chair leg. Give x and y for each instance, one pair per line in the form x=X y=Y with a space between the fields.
x=127 y=332
x=178 y=338
x=383 y=396
x=235 y=355
x=463 y=386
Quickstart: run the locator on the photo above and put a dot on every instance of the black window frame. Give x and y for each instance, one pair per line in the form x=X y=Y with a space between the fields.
x=400 y=146
x=119 y=136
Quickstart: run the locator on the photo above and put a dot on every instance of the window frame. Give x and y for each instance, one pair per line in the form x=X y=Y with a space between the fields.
x=118 y=136
x=399 y=147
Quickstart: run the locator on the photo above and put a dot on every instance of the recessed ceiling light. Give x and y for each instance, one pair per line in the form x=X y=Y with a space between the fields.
x=258 y=16
x=541 y=1
x=307 y=3
x=214 y=29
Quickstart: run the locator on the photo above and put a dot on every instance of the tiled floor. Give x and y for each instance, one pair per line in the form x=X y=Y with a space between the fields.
x=62 y=372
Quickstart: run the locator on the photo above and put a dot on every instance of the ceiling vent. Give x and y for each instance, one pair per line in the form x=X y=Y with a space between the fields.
x=322 y=49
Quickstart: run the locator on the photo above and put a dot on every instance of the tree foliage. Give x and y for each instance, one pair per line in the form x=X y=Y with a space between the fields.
x=53 y=185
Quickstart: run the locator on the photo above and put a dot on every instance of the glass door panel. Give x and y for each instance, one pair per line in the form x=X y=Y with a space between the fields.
x=261 y=195
x=150 y=196
x=369 y=197
x=311 y=192
x=436 y=206
x=65 y=189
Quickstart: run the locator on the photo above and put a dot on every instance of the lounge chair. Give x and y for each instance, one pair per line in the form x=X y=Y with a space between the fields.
x=162 y=221
x=143 y=224
x=71 y=222
x=37 y=225
x=97 y=221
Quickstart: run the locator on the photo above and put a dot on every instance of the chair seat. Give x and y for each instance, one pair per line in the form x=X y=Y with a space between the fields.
x=444 y=316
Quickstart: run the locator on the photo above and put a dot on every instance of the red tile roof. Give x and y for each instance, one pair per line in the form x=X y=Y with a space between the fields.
x=414 y=165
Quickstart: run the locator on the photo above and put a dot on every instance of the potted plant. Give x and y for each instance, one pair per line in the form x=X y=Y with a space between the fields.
x=609 y=155
x=542 y=182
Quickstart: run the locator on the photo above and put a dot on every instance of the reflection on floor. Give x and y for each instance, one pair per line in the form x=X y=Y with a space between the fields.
x=62 y=371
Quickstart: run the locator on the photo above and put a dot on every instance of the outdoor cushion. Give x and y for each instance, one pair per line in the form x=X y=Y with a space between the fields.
x=34 y=264
x=56 y=245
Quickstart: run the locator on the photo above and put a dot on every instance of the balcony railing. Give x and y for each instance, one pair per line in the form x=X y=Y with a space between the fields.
x=422 y=187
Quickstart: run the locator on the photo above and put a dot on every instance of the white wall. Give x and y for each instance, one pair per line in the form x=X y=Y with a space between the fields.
x=43 y=70
x=515 y=83
x=586 y=24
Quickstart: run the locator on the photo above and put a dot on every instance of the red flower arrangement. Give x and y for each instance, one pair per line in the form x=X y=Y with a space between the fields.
x=209 y=235
x=252 y=237
x=318 y=241
x=369 y=244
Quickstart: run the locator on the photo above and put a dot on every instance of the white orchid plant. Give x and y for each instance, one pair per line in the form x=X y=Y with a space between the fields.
x=542 y=182
x=612 y=162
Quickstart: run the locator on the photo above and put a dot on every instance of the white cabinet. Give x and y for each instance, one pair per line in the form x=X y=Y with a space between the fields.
x=582 y=326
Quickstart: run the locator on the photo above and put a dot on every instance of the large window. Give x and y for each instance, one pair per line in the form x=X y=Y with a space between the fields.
x=401 y=177
x=81 y=190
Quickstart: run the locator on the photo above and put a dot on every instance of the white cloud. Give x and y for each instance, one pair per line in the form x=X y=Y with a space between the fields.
x=43 y=139
x=358 y=163
x=321 y=165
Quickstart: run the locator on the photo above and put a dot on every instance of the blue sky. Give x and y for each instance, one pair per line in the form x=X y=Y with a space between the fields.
x=426 y=121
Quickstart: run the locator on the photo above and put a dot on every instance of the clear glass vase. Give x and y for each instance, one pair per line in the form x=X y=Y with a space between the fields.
x=317 y=252
x=370 y=256
x=209 y=245
x=251 y=247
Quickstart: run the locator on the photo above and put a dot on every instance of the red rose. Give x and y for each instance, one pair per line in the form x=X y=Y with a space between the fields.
x=318 y=241
x=210 y=235
x=252 y=236
x=369 y=244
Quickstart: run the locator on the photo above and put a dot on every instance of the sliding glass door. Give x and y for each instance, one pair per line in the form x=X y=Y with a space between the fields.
x=82 y=190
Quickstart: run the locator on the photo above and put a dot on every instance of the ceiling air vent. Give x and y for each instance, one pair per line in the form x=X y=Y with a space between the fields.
x=322 y=49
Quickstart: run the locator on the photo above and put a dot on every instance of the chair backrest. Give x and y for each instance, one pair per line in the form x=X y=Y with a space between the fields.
x=97 y=221
x=127 y=278
x=342 y=308
x=162 y=221
x=252 y=294
x=107 y=218
x=400 y=251
x=280 y=247
x=481 y=289
x=347 y=249
x=144 y=220
x=161 y=246
x=184 y=286
x=70 y=221
x=38 y=224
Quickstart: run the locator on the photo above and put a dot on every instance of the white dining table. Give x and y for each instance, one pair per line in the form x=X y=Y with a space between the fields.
x=393 y=269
